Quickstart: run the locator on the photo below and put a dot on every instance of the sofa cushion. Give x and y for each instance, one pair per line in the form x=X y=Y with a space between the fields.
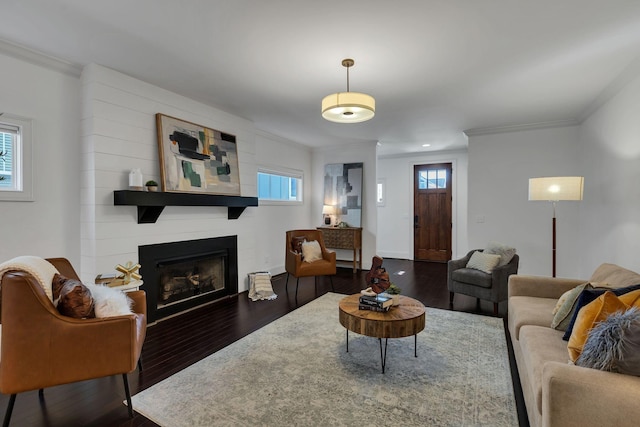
x=588 y=295
x=540 y=344
x=75 y=300
x=589 y=315
x=506 y=252
x=483 y=262
x=562 y=313
x=311 y=251
x=614 y=344
x=632 y=299
x=472 y=276
x=296 y=244
x=524 y=310
x=614 y=276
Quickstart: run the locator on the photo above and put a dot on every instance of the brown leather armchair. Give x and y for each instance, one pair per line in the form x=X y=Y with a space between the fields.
x=294 y=264
x=42 y=348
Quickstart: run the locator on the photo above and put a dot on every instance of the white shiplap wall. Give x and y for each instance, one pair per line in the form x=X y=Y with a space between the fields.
x=118 y=134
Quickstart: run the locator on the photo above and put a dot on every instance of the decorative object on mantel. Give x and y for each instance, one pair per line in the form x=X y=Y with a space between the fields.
x=151 y=185
x=130 y=271
x=196 y=159
x=348 y=107
x=135 y=180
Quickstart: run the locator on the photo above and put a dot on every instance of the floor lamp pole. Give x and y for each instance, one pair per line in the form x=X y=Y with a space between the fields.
x=553 y=241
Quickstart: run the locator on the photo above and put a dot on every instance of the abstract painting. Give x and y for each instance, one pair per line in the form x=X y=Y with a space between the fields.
x=343 y=189
x=196 y=159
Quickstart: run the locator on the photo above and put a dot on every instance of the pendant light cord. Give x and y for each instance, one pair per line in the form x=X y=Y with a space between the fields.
x=348 y=79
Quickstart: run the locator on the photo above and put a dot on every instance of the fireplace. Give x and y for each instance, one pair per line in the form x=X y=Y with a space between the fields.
x=181 y=275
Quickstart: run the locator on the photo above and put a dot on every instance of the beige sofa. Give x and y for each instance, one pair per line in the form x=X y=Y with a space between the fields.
x=556 y=393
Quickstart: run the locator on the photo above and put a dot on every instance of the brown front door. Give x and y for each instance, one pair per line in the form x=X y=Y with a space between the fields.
x=432 y=212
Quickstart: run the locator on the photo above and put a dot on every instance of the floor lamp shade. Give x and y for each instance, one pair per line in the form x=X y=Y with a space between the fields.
x=554 y=189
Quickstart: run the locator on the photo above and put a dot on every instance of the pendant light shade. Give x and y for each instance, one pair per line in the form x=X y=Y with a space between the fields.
x=348 y=107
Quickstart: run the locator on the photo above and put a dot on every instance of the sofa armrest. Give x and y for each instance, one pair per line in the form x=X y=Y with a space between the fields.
x=576 y=396
x=540 y=286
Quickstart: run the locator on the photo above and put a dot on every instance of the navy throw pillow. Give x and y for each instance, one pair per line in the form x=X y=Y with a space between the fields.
x=588 y=295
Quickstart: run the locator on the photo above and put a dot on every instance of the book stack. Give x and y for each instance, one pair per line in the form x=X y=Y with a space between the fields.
x=375 y=303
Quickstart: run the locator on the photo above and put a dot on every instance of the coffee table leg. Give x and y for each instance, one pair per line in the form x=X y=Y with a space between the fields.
x=415 y=345
x=347 y=341
x=383 y=356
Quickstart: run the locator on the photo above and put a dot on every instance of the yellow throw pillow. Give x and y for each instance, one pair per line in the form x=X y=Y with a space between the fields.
x=588 y=316
x=632 y=299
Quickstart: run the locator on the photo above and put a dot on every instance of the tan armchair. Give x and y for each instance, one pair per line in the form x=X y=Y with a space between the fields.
x=42 y=348
x=295 y=265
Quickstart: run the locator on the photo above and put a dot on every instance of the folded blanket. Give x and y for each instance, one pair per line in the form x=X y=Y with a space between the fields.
x=38 y=267
x=260 y=286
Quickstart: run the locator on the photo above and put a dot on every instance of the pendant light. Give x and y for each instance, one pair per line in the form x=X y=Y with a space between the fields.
x=348 y=107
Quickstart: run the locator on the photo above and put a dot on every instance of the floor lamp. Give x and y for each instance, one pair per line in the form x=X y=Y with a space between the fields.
x=555 y=189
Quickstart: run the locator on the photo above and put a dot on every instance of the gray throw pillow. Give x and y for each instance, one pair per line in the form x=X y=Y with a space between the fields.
x=614 y=344
x=566 y=306
x=505 y=252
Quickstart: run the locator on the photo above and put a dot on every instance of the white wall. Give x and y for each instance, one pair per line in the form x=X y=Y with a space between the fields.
x=500 y=166
x=355 y=153
x=395 y=218
x=48 y=226
x=119 y=133
x=610 y=211
x=273 y=219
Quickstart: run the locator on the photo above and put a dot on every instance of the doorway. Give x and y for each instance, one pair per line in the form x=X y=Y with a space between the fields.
x=432 y=214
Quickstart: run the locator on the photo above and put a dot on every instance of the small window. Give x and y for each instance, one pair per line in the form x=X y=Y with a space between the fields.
x=381 y=192
x=431 y=179
x=15 y=158
x=279 y=186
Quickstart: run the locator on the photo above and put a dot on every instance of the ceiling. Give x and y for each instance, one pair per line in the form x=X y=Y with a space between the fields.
x=435 y=67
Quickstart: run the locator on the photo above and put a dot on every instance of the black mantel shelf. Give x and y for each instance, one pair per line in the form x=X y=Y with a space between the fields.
x=151 y=203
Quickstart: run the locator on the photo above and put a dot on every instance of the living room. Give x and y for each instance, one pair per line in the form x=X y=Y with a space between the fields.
x=92 y=124
x=99 y=124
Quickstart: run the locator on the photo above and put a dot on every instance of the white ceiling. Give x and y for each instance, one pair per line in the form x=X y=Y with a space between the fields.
x=435 y=67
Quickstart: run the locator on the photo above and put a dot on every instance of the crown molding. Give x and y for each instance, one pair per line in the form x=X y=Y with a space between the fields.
x=520 y=128
x=37 y=58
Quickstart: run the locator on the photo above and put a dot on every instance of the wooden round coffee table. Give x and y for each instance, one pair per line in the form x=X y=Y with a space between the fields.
x=403 y=320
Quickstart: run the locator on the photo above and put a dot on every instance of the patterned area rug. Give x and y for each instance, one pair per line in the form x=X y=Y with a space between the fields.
x=295 y=371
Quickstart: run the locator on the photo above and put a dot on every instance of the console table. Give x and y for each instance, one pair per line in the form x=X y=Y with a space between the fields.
x=345 y=238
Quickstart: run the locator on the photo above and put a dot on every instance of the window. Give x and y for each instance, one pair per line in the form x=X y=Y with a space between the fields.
x=15 y=158
x=279 y=186
x=432 y=179
x=381 y=192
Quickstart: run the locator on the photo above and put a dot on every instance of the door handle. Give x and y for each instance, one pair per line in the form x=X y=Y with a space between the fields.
x=416 y=223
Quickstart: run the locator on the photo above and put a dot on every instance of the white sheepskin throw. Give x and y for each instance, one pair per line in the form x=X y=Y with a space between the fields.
x=109 y=302
x=38 y=267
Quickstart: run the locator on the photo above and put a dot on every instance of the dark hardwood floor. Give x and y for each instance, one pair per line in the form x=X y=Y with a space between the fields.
x=175 y=343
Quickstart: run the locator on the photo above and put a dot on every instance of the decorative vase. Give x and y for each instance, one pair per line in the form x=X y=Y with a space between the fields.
x=152 y=188
x=135 y=179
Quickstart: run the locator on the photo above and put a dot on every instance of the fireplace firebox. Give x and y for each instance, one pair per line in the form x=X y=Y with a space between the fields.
x=182 y=275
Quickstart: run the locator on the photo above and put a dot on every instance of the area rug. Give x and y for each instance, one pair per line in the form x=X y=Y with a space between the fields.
x=296 y=371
